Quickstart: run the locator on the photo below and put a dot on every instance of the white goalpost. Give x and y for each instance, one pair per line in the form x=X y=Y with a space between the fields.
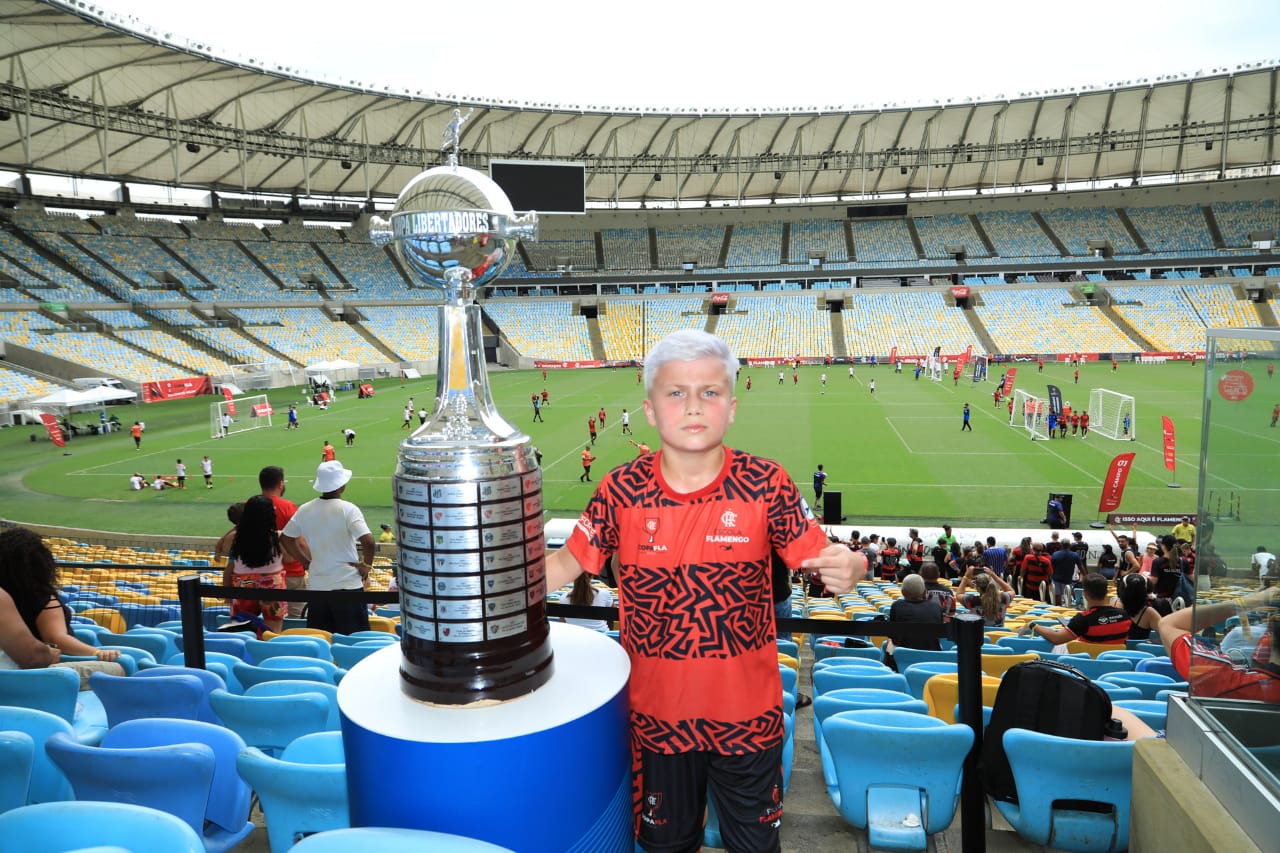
x=1112 y=415
x=979 y=372
x=245 y=413
x=1030 y=413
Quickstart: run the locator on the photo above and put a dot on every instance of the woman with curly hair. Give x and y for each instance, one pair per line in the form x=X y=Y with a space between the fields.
x=35 y=626
x=255 y=562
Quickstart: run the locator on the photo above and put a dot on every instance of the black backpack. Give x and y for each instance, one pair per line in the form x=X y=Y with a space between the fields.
x=1043 y=696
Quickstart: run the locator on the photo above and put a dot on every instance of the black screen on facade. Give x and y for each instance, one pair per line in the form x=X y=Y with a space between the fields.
x=544 y=187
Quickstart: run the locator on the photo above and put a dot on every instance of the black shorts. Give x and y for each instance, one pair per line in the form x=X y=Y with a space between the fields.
x=338 y=617
x=746 y=789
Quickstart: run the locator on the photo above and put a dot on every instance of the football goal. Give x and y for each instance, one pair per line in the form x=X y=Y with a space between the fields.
x=1112 y=415
x=242 y=413
x=1029 y=413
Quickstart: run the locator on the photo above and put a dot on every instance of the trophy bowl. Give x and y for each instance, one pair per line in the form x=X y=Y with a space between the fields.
x=455 y=229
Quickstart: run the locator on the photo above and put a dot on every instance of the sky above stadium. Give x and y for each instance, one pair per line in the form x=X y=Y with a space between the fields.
x=684 y=53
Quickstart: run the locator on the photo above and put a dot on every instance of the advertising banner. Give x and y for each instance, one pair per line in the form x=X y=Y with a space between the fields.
x=1113 y=484
x=172 y=389
x=55 y=431
x=1169 y=458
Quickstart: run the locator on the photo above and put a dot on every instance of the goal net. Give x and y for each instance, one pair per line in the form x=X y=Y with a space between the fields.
x=1030 y=413
x=1112 y=415
x=242 y=413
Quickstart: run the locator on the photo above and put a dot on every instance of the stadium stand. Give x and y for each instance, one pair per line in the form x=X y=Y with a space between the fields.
x=1015 y=234
x=411 y=331
x=879 y=241
x=811 y=237
x=1172 y=230
x=1075 y=227
x=776 y=327
x=625 y=248
x=949 y=229
x=545 y=329
x=577 y=247
x=624 y=321
x=16 y=385
x=697 y=243
x=1059 y=325
x=1238 y=219
x=914 y=322
x=756 y=245
x=307 y=335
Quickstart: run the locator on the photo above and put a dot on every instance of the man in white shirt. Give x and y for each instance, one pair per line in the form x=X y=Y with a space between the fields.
x=1264 y=563
x=136 y=482
x=226 y=424
x=325 y=532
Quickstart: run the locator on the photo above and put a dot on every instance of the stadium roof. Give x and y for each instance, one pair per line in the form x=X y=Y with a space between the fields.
x=83 y=96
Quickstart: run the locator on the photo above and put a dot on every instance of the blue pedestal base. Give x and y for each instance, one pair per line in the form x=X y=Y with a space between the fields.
x=546 y=773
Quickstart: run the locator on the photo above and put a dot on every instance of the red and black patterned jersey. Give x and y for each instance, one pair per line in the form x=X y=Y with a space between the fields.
x=695 y=597
x=1102 y=624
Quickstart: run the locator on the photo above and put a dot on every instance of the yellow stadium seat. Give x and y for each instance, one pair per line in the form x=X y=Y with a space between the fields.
x=998 y=665
x=942 y=692
x=1094 y=649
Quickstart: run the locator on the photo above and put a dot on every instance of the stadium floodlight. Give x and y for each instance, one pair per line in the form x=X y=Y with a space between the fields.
x=1113 y=415
x=1030 y=413
x=242 y=413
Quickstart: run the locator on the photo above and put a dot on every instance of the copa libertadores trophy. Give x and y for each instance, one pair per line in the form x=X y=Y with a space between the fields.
x=467 y=489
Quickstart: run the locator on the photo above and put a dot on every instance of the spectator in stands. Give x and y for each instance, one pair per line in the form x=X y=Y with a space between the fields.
x=914 y=606
x=271 y=482
x=326 y=531
x=1067 y=566
x=1264 y=563
x=991 y=599
x=1128 y=557
x=1036 y=569
x=1184 y=531
x=1134 y=598
x=35 y=626
x=994 y=557
x=256 y=561
x=1099 y=622
x=1107 y=562
x=585 y=594
x=1216 y=674
x=937 y=591
x=223 y=547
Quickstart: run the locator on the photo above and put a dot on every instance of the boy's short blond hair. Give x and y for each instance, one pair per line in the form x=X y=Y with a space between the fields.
x=688 y=345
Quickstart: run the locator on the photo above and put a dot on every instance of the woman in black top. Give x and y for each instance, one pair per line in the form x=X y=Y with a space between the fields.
x=1107 y=561
x=30 y=577
x=1132 y=598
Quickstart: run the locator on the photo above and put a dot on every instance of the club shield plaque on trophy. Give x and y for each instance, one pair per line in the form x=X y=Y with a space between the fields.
x=467 y=489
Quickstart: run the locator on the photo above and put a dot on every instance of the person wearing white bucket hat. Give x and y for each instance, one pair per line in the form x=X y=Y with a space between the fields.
x=326 y=531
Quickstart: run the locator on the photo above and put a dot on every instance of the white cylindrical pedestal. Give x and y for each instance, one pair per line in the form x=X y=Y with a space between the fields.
x=549 y=772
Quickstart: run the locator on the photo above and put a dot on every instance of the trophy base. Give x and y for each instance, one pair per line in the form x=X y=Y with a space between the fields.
x=418 y=766
x=457 y=674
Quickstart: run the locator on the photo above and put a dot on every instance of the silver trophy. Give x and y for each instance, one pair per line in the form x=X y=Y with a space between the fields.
x=467 y=489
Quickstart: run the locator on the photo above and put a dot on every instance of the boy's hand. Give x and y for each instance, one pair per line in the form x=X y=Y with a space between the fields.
x=837 y=567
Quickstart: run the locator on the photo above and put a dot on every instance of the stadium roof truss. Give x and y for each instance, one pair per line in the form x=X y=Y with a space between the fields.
x=83 y=96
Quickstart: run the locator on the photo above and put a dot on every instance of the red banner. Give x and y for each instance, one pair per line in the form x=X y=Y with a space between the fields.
x=172 y=389
x=55 y=431
x=1008 y=381
x=261 y=410
x=1170 y=458
x=960 y=291
x=719 y=299
x=968 y=354
x=1113 y=485
x=893 y=355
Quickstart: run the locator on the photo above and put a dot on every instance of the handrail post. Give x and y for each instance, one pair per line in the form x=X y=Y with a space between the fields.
x=969 y=637
x=192 y=621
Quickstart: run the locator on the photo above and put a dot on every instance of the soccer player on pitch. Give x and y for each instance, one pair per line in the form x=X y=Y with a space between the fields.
x=701 y=520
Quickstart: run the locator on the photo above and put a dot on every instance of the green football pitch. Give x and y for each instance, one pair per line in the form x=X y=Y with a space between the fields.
x=897 y=456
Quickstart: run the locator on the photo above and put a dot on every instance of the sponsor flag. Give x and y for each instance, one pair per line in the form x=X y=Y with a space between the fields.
x=55 y=431
x=1113 y=485
x=1170 y=458
x=1008 y=381
x=968 y=354
x=1055 y=399
x=893 y=355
